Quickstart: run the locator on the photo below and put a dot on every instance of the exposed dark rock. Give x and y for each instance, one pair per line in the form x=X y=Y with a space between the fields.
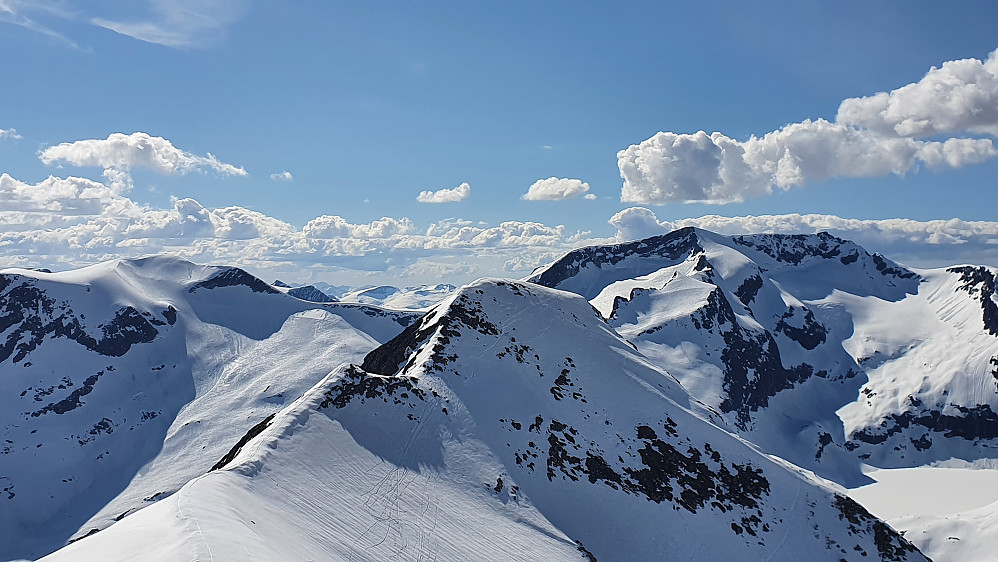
x=171 y=315
x=979 y=282
x=793 y=248
x=358 y=384
x=253 y=432
x=692 y=480
x=978 y=422
x=675 y=245
x=753 y=368
x=749 y=288
x=922 y=443
x=824 y=440
x=34 y=315
x=809 y=336
x=894 y=270
x=463 y=313
x=852 y=257
x=585 y=553
x=72 y=401
x=387 y=359
x=232 y=277
x=311 y=294
x=92 y=531
x=890 y=544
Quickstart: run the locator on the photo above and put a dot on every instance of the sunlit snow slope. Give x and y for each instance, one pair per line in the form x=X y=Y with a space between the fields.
x=810 y=346
x=122 y=381
x=511 y=422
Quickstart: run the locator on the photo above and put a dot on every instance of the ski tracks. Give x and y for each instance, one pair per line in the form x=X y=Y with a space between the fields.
x=190 y=512
x=387 y=506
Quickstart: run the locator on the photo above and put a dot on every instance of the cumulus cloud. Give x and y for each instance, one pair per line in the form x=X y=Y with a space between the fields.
x=459 y=193
x=636 y=223
x=556 y=189
x=67 y=222
x=282 y=176
x=327 y=226
x=138 y=150
x=961 y=95
x=918 y=243
x=888 y=133
x=56 y=202
x=9 y=134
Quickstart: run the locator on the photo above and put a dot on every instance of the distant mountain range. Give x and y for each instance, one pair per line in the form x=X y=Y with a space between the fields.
x=667 y=398
x=408 y=298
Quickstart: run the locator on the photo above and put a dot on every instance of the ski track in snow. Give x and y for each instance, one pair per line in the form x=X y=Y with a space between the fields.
x=786 y=534
x=190 y=512
x=402 y=507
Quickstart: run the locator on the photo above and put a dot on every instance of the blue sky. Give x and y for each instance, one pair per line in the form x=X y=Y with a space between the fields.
x=366 y=106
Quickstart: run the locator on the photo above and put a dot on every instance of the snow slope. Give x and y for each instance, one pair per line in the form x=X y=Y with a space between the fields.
x=811 y=347
x=510 y=422
x=815 y=350
x=952 y=517
x=122 y=381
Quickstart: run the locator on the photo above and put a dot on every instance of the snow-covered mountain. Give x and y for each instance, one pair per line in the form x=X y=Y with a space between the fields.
x=305 y=292
x=624 y=402
x=408 y=298
x=809 y=346
x=122 y=381
x=510 y=422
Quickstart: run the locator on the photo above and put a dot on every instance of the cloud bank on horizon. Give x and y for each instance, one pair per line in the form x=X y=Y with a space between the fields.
x=73 y=221
x=887 y=133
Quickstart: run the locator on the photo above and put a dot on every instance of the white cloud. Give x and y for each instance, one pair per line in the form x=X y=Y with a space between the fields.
x=327 y=226
x=874 y=136
x=556 y=189
x=9 y=134
x=179 y=23
x=172 y=23
x=932 y=243
x=282 y=176
x=459 y=193
x=137 y=150
x=636 y=223
x=16 y=12
x=671 y=167
x=56 y=202
x=68 y=222
x=961 y=95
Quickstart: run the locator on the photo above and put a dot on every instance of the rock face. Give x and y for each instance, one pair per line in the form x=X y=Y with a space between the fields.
x=310 y=293
x=557 y=439
x=799 y=342
x=602 y=409
x=28 y=316
x=112 y=369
